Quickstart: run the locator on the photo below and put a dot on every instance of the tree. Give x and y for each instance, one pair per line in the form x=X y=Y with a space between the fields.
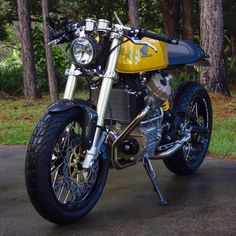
x=48 y=50
x=230 y=34
x=212 y=38
x=171 y=14
x=187 y=17
x=134 y=13
x=31 y=88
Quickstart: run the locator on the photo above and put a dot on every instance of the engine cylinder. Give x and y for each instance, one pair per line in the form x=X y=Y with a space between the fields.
x=159 y=86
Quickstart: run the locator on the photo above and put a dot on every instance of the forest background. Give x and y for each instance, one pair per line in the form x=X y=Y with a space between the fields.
x=211 y=23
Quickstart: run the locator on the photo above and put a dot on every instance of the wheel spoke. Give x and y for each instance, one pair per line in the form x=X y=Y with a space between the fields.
x=196 y=111
x=67 y=195
x=55 y=178
x=60 y=192
x=56 y=169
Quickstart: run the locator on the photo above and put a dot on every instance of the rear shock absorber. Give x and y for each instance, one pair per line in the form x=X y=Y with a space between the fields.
x=166 y=106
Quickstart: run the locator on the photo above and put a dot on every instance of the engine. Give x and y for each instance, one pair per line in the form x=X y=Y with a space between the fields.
x=143 y=140
x=126 y=101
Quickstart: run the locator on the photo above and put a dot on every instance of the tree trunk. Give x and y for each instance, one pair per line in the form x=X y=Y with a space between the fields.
x=31 y=88
x=171 y=14
x=188 y=31
x=134 y=13
x=48 y=49
x=232 y=69
x=212 y=37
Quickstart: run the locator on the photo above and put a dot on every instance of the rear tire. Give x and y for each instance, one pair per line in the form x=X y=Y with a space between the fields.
x=57 y=185
x=194 y=102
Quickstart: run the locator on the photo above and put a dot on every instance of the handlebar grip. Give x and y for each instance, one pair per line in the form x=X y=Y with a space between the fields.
x=160 y=37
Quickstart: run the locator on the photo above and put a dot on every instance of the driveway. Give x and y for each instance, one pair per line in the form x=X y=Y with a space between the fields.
x=200 y=204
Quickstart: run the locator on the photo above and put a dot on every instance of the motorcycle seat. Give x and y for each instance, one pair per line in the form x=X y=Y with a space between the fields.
x=186 y=52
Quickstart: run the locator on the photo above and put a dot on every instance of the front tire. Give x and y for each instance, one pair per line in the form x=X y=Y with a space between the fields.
x=59 y=188
x=193 y=101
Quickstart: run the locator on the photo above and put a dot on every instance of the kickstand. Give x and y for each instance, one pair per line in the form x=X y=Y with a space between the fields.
x=151 y=173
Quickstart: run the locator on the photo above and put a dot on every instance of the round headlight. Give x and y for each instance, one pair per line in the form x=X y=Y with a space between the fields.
x=84 y=51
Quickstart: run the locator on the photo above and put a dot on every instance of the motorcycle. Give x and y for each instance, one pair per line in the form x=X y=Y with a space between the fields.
x=133 y=115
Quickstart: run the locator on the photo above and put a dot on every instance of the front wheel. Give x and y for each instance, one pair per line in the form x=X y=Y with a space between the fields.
x=58 y=186
x=193 y=103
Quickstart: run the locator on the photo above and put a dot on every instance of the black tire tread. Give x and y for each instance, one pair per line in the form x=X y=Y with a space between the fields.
x=182 y=99
x=35 y=153
x=39 y=146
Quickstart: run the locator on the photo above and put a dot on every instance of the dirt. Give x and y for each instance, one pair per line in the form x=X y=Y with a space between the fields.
x=223 y=107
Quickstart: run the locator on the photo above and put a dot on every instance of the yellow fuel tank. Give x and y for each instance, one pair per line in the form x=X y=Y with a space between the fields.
x=135 y=58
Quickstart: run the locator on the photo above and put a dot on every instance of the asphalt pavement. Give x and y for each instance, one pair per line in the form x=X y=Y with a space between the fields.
x=201 y=204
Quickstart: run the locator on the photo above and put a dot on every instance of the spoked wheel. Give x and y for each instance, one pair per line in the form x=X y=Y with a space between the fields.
x=58 y=186
x=196 y=106
x=197 y=120
x=70 y=182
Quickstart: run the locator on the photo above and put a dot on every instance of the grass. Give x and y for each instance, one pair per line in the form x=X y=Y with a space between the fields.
x=18 y=118
x=223 y=141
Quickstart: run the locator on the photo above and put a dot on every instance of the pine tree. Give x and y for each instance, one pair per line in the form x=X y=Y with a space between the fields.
x=31 y=88
x=50 y=66
x=213 y=78
x=134 y=13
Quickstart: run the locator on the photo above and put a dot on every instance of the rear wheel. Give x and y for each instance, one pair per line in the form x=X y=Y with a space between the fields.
x=58 y=186
x=195 y=106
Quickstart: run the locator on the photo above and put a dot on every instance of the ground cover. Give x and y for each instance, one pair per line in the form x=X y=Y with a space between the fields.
x=19 y=116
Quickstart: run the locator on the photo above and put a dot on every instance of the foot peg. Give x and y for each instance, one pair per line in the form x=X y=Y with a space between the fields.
x=153 y=177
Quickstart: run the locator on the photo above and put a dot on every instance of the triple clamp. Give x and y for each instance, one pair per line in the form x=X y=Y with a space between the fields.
x=69 y=72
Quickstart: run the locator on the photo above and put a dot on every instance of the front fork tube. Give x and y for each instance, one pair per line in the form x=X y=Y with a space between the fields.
x=103 y=99
x=70 y=84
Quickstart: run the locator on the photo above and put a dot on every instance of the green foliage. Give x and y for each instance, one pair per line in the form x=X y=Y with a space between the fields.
x=150 y=15
x=61 y=62
x=11 y=74
x=150 y=18
x=230 y=17
x=3 y=33
x=11 y=79
x=40 y=58
x=186 y=73
x=79 y=10
x=7 y=12
x=13 y=59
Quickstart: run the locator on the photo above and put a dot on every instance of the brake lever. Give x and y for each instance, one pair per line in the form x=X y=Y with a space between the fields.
x=55 y=41
x=143 y=42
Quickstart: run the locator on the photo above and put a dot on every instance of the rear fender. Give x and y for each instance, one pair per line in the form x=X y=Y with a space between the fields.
x=88 y=117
